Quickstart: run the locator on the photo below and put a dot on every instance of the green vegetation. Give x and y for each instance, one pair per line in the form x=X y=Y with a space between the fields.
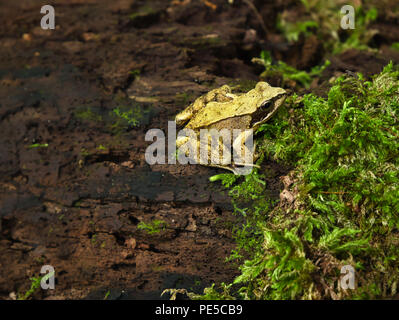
x=84 y=152
x=87 y=114
x=345 y=186
x=101 y=147
x=323 y=19
x=395 y=46
x=135 y=73
x=129 y=117
x=360 y=37
x=153 y=227
x=126 y=116
x=34 y=286
x=38 y=145
x=93 y=239
x=107 y=295
x=287 y=72
x=292 y=31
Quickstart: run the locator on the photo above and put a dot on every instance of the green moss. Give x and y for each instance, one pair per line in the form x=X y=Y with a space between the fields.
x=292 y=31
x=395 y=46
x=345 y=151
x=135 y=73
x=286 y=72
x=360 y=37
x=87 y=114
x=322 y=18
x=93 y=239
x=127 y=117
x=84 y=152
x=153 y=227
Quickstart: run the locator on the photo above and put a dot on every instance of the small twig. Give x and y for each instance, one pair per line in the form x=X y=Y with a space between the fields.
x=210 y=4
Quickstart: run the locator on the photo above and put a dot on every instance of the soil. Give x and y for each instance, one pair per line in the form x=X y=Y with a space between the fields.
x=74 y=183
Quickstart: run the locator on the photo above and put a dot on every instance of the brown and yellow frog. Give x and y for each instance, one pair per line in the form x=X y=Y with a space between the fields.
x=221 y=109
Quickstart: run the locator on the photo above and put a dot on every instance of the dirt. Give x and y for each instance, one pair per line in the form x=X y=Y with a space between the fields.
x=74 y=183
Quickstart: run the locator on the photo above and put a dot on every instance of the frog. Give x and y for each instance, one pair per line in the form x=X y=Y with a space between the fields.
x=221 y=109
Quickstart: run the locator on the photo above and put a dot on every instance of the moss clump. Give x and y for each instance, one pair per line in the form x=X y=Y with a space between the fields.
x=345 y=188
x=323 y=19
x=288 y=73
x=131 y=117
x=153 y=227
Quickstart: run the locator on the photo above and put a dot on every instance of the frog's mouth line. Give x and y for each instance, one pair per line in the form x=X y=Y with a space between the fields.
x=266 y=110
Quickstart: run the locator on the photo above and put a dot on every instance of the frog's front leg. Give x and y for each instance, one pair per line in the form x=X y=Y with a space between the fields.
x=244 y=149
x=189 y=146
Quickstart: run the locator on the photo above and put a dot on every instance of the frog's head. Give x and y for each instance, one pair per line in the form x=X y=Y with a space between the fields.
x=269 y=96
x=269 y=99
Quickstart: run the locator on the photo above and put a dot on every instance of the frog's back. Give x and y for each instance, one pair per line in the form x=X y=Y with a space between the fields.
x=241 y=105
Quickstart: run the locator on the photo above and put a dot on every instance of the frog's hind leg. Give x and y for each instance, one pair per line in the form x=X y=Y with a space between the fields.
x=240 y=144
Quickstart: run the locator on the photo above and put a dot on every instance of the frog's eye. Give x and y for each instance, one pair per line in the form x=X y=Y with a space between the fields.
x=265 y=105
